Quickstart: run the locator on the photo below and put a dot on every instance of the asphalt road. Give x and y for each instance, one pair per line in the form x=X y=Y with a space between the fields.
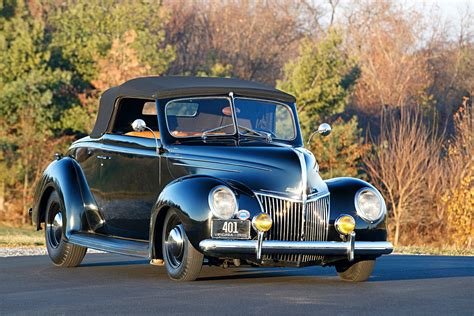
x=113 y=284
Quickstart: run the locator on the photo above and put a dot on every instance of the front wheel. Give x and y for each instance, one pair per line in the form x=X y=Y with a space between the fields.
x=60 y=252
x=183 y=262
x=359 y=271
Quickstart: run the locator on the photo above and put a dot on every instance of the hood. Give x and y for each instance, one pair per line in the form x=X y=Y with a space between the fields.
x=273 y=169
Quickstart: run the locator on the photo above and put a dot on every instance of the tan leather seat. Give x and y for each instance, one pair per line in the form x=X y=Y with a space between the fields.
x=144 y=134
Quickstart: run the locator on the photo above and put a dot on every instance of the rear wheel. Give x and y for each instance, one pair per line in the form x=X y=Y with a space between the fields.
x=359 y=271
x=183 y=262
x=61 y=253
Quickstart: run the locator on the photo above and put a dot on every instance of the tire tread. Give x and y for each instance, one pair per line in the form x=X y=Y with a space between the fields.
x=357 y=272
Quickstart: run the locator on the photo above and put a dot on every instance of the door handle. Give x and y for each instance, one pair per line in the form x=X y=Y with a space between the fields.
x=104 y=157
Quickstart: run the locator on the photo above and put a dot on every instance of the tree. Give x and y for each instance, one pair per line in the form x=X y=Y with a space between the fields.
x=27 y=86
x=339 y=154
x=83 y=33
x=321 y=79
x=255 y=38
x=458 y=199
x=401 y=163
x=102 y=46
x=383 y=36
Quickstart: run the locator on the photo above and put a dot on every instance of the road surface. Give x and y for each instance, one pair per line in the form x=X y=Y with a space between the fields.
x=113 y=284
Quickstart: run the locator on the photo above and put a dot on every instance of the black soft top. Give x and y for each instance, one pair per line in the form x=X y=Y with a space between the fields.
x=175 y=86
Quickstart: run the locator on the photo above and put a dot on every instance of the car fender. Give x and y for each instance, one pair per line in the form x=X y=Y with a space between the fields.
x=65 y=176
x=189 y=197
x=342 y=201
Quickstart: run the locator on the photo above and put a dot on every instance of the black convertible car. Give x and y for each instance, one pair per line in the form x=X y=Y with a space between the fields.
x=190 y=171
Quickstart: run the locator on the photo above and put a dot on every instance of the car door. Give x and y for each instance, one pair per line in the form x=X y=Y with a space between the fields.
x=129 y=185
x=129 y=165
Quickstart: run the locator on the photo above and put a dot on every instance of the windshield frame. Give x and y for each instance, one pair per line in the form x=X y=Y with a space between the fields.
x=292 y=114
x=231 y=104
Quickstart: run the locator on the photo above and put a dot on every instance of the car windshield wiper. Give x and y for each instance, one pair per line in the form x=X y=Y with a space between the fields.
x=249 y=132
x=252 y=132
x=208 y=131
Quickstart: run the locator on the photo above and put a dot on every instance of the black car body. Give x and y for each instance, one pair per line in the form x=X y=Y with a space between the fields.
x=186 y=183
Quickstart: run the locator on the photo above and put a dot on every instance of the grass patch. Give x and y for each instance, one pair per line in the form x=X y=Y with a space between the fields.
x=426 y=250
x=20 y=237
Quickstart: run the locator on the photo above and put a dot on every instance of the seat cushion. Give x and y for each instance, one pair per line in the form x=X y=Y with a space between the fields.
x=144 y=134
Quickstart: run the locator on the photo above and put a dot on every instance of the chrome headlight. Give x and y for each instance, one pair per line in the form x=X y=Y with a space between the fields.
x=369 y=204
x=222 y=202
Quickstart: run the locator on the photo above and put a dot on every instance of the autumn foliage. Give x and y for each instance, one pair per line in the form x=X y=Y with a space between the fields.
x=395 y=82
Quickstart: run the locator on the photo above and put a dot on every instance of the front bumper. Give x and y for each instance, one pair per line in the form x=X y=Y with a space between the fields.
x=350 y=248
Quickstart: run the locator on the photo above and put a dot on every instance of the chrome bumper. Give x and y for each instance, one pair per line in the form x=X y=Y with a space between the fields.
x=349 y=248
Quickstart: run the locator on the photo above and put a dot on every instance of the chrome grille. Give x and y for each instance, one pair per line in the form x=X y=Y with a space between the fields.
x=296 y=221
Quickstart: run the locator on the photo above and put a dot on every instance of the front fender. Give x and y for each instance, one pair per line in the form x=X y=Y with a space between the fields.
x=65 y=176
x=189 y=196
x=342 y=194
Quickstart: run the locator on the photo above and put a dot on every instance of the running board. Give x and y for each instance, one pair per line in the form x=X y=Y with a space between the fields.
x=111 y=244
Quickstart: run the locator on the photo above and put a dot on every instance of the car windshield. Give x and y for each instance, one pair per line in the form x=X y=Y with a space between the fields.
x=194 y=117
x=273 y=118
x=203 y=117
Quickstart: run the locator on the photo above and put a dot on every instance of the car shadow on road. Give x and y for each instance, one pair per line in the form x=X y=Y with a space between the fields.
x=114 y=263
x=389 y=268
x=419 y=267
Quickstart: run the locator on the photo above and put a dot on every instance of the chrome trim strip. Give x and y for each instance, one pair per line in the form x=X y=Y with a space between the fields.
x=115 y=148
x=178 y=157
x=289 y=198
x=334 y=248
x=203 y=167
x=304 y=175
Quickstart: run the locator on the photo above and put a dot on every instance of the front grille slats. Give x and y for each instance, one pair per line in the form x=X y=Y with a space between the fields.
x=296 y=221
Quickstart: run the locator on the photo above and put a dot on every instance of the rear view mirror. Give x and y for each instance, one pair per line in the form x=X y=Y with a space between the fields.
x=139 y=125
x=324 y=129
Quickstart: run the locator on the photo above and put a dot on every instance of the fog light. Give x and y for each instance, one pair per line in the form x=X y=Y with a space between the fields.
x=262 y=222
x=345 y=224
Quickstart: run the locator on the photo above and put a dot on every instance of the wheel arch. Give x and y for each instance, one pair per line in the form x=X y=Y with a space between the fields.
x=189 y=197
x=43 y=203
x=66 y=178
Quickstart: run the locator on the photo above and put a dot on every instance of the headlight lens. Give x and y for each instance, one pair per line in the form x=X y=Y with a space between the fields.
x=369 y=204
x=222 y=202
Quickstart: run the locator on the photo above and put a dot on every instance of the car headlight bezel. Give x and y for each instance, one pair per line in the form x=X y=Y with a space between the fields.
x=362 y=213
x=214 y=209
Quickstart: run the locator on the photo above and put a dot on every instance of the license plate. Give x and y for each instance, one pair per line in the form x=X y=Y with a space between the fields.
x=230 y=229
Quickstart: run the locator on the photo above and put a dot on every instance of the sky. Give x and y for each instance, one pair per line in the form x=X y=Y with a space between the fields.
x=450 y=10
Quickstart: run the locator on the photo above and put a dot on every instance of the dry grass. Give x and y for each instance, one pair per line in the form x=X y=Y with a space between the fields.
x=25 y=236
x=426 y=250
x=28 y=237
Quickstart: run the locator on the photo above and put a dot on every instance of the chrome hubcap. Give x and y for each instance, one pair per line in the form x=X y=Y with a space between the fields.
x=55 y=230
x=174 y=246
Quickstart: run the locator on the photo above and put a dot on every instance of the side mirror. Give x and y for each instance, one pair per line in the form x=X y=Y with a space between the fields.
x=139 y=125
x=324 y=129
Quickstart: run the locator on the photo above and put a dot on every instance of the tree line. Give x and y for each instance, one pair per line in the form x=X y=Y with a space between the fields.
x=395 y=82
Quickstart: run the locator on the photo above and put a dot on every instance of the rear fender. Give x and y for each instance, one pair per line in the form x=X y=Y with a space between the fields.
x=65 y=176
